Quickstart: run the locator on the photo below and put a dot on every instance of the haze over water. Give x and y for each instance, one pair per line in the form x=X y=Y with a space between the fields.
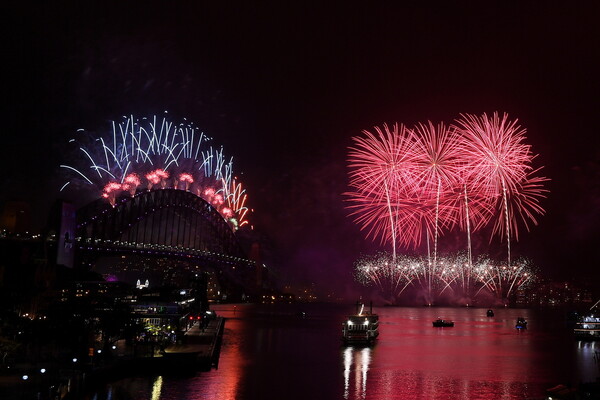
x=273 y=352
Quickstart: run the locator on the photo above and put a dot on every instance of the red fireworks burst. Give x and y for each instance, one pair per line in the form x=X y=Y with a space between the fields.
x=152 y=179
x=498 y=168
x=187 y=180
x=406 y=182
x=110 y=192
x=130 y=183
x=381 y=174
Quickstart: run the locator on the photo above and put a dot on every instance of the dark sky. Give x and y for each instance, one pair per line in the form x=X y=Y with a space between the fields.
x=284 y=88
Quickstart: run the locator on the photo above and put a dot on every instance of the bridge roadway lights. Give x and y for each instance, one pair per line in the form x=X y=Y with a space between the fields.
x=98 y=220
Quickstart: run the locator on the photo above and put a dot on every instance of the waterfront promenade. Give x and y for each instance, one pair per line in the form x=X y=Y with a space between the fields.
x=198 y=349
x=199 y=346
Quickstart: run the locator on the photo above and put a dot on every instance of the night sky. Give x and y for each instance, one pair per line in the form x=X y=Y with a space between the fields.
x=284 y=89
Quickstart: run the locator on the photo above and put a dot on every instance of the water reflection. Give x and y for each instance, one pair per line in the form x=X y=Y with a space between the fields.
x=360 y=358
x=222 y=383
x=156 y=388
x=588 y=358
x=270 y=353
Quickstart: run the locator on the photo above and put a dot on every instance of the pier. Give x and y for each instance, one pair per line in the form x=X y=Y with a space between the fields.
x=199 y=347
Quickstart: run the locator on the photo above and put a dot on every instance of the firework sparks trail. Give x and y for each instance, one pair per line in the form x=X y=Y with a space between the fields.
x=502 y=280
x=166 y=155
x=392 y=278
x=381 y=175
x=430 y=179
x=187 y=180
x=437 y=168
x=131 y=183
x=499 y=166
x=153 y=179
x=236 y=199
x=110 y=192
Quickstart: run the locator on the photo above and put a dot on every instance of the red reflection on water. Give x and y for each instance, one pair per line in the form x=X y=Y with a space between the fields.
x=480 y=358
x=294 y=352
x=230 y=368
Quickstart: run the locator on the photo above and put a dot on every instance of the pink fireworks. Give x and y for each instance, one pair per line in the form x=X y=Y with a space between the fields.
x=208 y=194
x=498 y=169
x=157 y=176
x=152 y=179
x=380 y=175
x=130 y=183
x=407 y=183
x=218 y=200
x=163 y=176
x=187 y=180
x=110 y=192
x=227 y=212
x=229 y=203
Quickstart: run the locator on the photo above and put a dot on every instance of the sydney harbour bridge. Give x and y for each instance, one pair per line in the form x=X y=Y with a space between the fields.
x=161 y=223
x=164 y=193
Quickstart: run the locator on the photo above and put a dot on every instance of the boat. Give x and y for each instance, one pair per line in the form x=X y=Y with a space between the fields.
x=441 y=323
x=521 y=323
x=362 y=327
x=490 y=313
x=587 y=326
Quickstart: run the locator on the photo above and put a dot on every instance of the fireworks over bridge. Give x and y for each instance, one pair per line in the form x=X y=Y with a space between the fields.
x=162 y=192
x=163 y=222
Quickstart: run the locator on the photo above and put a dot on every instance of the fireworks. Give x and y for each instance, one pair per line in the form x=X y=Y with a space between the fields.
x=110 y=191
x=410 y=182
x=381 y=175
x=454 y=277
x=131 y=183
x=165 y=155
x=499 y=169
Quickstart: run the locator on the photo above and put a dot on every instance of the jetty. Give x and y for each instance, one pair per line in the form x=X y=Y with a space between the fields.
x=199 y=347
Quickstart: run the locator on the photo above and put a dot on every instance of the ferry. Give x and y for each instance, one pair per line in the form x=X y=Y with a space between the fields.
x=362 y=327
x=441 y=323
x=588 y=326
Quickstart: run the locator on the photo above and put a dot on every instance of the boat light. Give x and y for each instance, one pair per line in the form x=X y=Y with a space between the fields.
x=349 y=322
x=366 y=321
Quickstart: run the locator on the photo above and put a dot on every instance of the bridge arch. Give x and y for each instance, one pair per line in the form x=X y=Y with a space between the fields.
x=169 y=221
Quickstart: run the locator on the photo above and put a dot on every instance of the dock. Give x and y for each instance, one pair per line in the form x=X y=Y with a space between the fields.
x=199 y=347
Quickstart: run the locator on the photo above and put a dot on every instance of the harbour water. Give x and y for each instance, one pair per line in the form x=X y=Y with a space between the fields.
x=294 y=352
